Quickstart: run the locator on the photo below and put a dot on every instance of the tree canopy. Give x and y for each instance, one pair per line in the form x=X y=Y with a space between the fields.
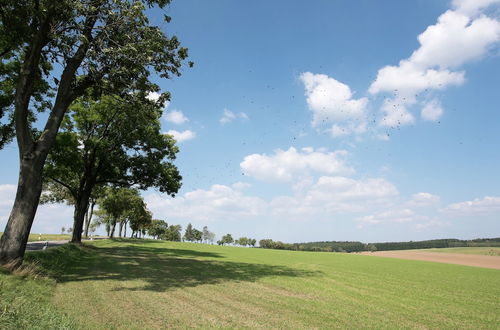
x=110 y=141
x=54 y=52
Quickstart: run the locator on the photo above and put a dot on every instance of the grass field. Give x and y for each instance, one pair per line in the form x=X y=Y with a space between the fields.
x=151 y=284
x=487 y=251
x=48 y=237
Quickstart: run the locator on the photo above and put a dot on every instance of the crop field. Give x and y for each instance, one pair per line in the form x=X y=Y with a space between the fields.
x=486 y=251
x=153 y=284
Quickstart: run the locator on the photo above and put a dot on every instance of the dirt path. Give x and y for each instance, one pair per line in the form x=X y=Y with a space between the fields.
x=449 y=258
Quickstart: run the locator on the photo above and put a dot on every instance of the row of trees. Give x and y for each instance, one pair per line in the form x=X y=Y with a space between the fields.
x=88 y=65
x=347 y=246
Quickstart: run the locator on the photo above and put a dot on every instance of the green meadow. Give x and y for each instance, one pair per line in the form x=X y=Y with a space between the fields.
x=144 y=284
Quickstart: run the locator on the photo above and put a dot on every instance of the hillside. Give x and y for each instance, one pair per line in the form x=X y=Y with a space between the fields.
x=155 y=284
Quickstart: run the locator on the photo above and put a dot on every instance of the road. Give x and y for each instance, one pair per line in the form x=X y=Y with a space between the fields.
x=38 y=245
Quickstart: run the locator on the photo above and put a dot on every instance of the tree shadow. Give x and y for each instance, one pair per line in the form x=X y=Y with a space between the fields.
x=161 y=269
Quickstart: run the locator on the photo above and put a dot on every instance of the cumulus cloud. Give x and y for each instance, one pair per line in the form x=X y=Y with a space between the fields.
x=472 y=7
x=394 y=216
x=175 y=117
x=228 y=116
x=220 y=202
x=287 y=165
x=432 y=111
x=459 y=36
x=330 y=196
x=331 y=101
x=431 y=224
x=182 y=136
x=342 y=188
x=424 y=199
x=489 y=205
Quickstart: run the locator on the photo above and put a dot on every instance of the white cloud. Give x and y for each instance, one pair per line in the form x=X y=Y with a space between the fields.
x=431 y=224
x=342 y=188
x=330 y=196
x=424 y=199
x=220 y=202
x=332 y=102
x=228 y=116
x=478 y=207
x=396 y=113
x=391 y=216
x=175 y=117
x=432 y=111
x=153 y=96
x=182 y=136
x=239 y=186
x=472 y=7
x=458 y=37
x=284 y=166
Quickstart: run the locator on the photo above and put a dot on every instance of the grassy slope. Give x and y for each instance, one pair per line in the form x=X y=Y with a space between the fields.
x=149 y=284
x=487 y=251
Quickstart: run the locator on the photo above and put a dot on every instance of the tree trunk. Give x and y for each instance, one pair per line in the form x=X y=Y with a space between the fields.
x=125 y=230
x=112 y=234
x=120 y=229
x=81 y=207
x=14 y=239
x=89 y=218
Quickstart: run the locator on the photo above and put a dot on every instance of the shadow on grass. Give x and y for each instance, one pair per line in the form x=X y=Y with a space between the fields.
x=136 y=268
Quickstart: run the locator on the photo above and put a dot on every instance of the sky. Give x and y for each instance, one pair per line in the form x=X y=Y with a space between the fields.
x=328 y=120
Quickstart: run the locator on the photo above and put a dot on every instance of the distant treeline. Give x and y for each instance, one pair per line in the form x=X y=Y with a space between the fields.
x=334 y=246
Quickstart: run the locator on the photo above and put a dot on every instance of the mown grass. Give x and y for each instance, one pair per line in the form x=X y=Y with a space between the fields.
x=26 y=295
x=487 y=251
x=139 y=284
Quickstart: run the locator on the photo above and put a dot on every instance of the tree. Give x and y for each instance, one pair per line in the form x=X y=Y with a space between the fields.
x=140 y=219
x=70 y=46
x=205 y=233
x=157 y=228
x=63 y=230
x=208 y=236
x=211 y=237
x=111 y=141
x=122 y=206
x=54 y=192
x=189 y=233
x=197 y=235
x=243 y=241
x=172 y=234
x=226 y=239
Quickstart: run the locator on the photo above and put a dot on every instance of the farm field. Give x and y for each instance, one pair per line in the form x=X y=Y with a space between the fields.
x=154 y=284
x=466 y=259
x=487 y=251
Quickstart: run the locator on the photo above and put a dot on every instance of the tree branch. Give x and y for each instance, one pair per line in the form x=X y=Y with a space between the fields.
x=65 y=185
x=65 y=93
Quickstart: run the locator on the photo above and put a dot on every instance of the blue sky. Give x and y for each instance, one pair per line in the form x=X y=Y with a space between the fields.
x=329 y=120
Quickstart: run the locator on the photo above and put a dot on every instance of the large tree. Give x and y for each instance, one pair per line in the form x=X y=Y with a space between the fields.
x=71 y=46
x=111 y=141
